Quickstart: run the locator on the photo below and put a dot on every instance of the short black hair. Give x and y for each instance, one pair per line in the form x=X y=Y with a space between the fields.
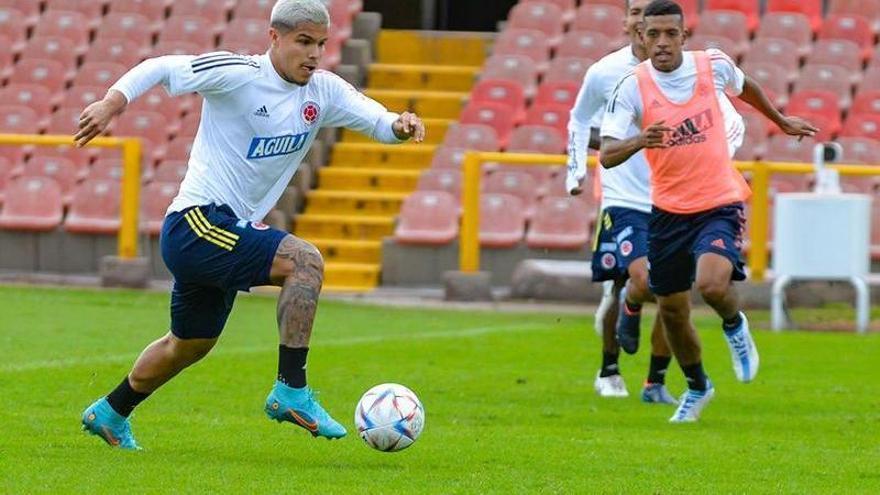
x=663 y=7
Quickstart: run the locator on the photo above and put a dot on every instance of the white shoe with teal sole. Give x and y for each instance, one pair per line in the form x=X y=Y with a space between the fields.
x=298 y=406
x=100 y=419
x=743 y=352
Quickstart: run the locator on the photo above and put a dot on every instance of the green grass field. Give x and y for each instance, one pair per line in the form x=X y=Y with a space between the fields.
x=509 y=401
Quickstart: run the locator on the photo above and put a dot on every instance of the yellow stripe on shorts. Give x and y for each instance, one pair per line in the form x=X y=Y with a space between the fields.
x=224 y=233
x=206 y=234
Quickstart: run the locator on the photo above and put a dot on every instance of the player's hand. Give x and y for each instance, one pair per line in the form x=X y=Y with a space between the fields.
x=97 y=116
x=653 y=136
x=796 y=126
x=409 y=125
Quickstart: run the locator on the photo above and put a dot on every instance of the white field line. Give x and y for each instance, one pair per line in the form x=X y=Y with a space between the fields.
x=244 y=350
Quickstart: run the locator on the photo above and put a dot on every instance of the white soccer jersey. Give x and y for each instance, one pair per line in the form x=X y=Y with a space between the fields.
x=255 y=127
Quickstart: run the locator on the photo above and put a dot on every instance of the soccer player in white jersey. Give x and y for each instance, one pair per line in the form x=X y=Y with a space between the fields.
x=259 y=116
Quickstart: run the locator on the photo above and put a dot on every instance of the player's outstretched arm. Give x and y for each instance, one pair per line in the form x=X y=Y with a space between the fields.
x=97 y=116
x=409 y=125
x=793 y=126
x=613 y=152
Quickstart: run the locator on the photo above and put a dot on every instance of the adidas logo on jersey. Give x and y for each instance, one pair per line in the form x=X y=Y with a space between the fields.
x=262 y=112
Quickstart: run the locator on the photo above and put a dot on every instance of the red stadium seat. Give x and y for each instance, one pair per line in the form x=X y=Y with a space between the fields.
x=427 y=217
x=190 y=30
x=726 y=24
x=726 y=45
x=757 y=126
x=170 y=171
x=64 y=121
x=14 y=27
x=517 y=68
x=567 y=7
x=505 y=92
x=817 y=103
x=528 y=42
x=789 y=26
x=92 y=9
x=870 y=9
x=99 y=74
x=189 y=124
x=95 y=208
x=152 y=126
x=559 y=223
x=80 y=157
x=860 y=150
x=179 y=149
x=789 y=183
x=29 y=9
x=154 y=10
x=862 y=125
x=471 y=136
x=51 y=48
x=851 y=27
x=340 y=18
x=811 y=8
x=541 y=16
x=750 y=8
x=155 y=199
x=495 y=115
x=157 y=100
x=871 y=79
x=560 y=92
x=117 y=51
x=247 y=47
x=448 y=157
x=502 y=220
x=570 y=69
x=254 y=9
x=34 y=96
x=513 y=181
x=73 y=26
x=753 y=147
x=31 y=203
x=212 y=11
x=866 y=102
x=440 y=179
x=5 y=176
x=827 y=77
x=783 y=148
x=128 y=26
x=586 y=44
x=5 y=56
x=550 y=114
x=62 y=170
x=875 y=59
x=842 y=53
x=106 y=169
x=47 y=73
x=176 y=48
x=772 y=78
x=536 y=138
x=18 y=119
x=605 y=19
x=246 y=30
x=776 y=52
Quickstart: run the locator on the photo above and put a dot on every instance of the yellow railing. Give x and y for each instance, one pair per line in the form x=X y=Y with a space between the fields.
x=469 y=244
x=131 y=173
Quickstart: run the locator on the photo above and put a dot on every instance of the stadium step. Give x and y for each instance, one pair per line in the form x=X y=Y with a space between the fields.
x=357 y=179
x=351 y=277
x=405 y=156
x=349 y=251
x=423 y=77
x=429 y=104
x=435 y=131
x=324 y=201
x=330 y=226
x=432 y=48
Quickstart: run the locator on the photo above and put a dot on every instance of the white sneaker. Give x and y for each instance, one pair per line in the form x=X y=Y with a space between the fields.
x=610 y=386
x=692 y=403
x=743 y=352
x=605 y=304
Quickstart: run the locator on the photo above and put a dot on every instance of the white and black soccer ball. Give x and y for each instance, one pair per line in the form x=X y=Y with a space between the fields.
x=389 y=417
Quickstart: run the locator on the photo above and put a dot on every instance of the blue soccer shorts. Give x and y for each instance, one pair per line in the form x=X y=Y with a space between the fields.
x=621 y=238
x=212 y=255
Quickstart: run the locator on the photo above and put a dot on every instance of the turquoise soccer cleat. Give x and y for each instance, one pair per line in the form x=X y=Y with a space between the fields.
x=100 y=419
x=298 y=406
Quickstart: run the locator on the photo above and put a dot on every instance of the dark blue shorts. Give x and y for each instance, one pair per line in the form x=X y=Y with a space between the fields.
x=675 y=242
x=621 y=237
x=212 y=255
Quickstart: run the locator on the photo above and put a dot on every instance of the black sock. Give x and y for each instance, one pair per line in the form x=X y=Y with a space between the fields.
x=123 y=399
x=632 y=307
x=657 y=372
x=731 y=324
x=609 y=364
x=696 y=377
x=292 y=365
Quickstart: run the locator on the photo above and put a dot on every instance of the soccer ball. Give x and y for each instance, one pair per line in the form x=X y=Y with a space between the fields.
x=389 y=417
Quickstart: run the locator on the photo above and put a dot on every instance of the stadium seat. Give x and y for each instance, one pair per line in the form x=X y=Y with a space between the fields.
x=64 y=121
x=862 y=125
x=550 y=114
x=570 y=69
x=440 y=179
x=99 y=74
x=860 y=150
x=51 y=48
x=757 y=126
x=177 y=48
x=586 y=44
x=155 y=199
x=810 y=8
x=117 y=51
x=726 y=45
x=154 y=10
x=6 y=56
x=753 y=147
x=505 y=92
x=62 y=170
x=47 y=73
x=31 y=204
x=170 y=171
x=340 y=19
x=13 y=27
x=448 y=157
x=829 y=78
x=29 y=9
x=875 y=59
x=870 y=9
x=502 y=220
x=245 y=30
x=517 y=68
x=128 y=26
x=215 y=12
x=496 y=115
x=529 y=42
x=254 y=9
x=728 y=24
x=789 y=183
x=189 y=124
x=6 y=171
x=157 y=100
x=789 y=26
x=850 y=27
x=866 y=102
x=149 y=126
x=106 y=169
x=190 y=30
x=567 y=7
x=95 y=208
x=92 y=9
x=72 y=26
x=772 y=78
x=427 y=217
x=559 y=92
x=871 y=79
x=34 y=96
x=80 y=157
x=541 y=16
x=18 y=119
x=783 y=148
x=604 y=19
x=471 y=136
x=178 y=149
x=250 y=48
x=536 y=139
x=514 y=181
x=559 y=223
x=774 y=52
x=842 y=53
x=750 y=8
x=822 y=106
